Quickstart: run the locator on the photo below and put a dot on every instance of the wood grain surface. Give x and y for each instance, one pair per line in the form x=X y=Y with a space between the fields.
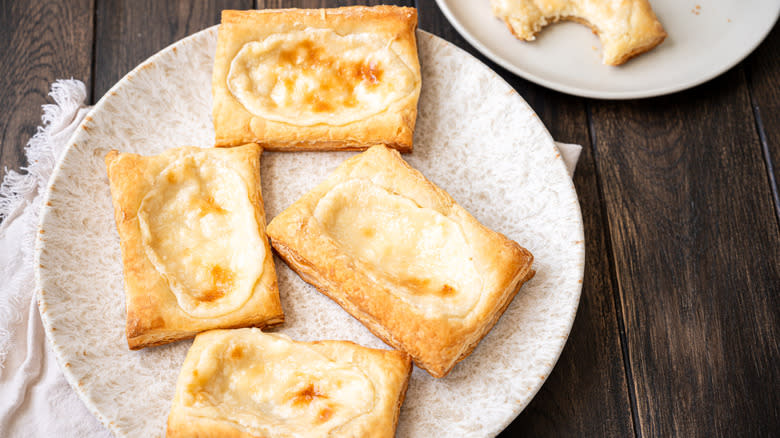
x=763 y=72
x=696 y=248
x=128 y=32
x=40 y=41
x=677 y=330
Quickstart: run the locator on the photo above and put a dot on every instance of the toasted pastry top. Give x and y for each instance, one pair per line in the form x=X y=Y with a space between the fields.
x=199 y=230
x=192 y=231
x=320 y=79
x=268 y=385
x=316 y=76
x=422 y=251
x=403 y=257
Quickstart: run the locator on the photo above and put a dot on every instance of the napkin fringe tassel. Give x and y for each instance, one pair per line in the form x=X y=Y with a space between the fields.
x=21 y=195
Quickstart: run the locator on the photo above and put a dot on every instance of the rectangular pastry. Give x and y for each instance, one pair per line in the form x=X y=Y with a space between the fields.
x=401 y=256
x=317 y=79
x=192 y=231
x=246 y=383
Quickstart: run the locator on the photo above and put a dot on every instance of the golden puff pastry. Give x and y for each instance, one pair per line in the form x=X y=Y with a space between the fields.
x=626 y=27
x=401 y=256
x=317 y=79
x=246 y=383
x=192 y=231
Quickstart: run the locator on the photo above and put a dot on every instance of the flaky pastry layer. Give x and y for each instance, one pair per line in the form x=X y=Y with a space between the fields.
x=317 y=79
x=401 y=256
x=246 y=383
x=192 y=232
x=626 y=28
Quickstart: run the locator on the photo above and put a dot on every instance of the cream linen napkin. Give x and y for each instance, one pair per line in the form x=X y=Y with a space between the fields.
x=35 y=398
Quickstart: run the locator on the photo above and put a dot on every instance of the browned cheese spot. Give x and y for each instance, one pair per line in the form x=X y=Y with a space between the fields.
x=422 y=286
x=211 y=295
x=446 y=290
x=223 y=280
x=307 y=395
x=325 y=414
x=236 y=352
x=208 y=205
x=172 y=177
x=339 y=77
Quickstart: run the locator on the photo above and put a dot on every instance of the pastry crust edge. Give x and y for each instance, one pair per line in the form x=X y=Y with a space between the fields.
x=234 y=124
x=153 y=316
x=396 y=364
x=435 y=344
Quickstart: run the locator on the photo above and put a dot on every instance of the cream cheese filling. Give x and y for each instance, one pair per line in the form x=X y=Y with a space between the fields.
x=199 y=230
x=273 y=387
x=316 y=76
x=423 y=253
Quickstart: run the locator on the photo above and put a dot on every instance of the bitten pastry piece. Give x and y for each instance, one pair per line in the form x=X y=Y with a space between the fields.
x=317 y=79
x=192 y=230
x=626 y=27
x=246 y=383
x=402 y=257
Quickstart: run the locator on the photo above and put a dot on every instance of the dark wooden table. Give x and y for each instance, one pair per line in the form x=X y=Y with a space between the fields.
x=677 y=330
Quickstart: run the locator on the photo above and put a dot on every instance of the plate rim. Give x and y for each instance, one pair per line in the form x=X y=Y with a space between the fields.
x=520 y=407
x=47 y=210
x=587 y=92
x=79 y=134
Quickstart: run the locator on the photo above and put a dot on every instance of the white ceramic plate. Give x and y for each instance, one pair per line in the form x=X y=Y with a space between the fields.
x=567 y=56
x=475 y=137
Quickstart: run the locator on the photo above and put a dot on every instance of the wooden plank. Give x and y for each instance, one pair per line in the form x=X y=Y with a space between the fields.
x=763 y=72
x=696 y=248
x=40 y=41
x=129 y=32
x=586 y=394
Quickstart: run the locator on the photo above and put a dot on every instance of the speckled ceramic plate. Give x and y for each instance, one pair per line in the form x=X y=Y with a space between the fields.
x=706 y=38
x=475 y=137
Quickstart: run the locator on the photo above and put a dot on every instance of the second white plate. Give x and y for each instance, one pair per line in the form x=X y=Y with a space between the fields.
x=706 y=38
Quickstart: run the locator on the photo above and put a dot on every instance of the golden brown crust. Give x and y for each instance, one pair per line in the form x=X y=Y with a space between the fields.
x=388 y=370
x=180 y=426
x=627 y=28
x=154 y=316
x=435 y=342
x=394 y=126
